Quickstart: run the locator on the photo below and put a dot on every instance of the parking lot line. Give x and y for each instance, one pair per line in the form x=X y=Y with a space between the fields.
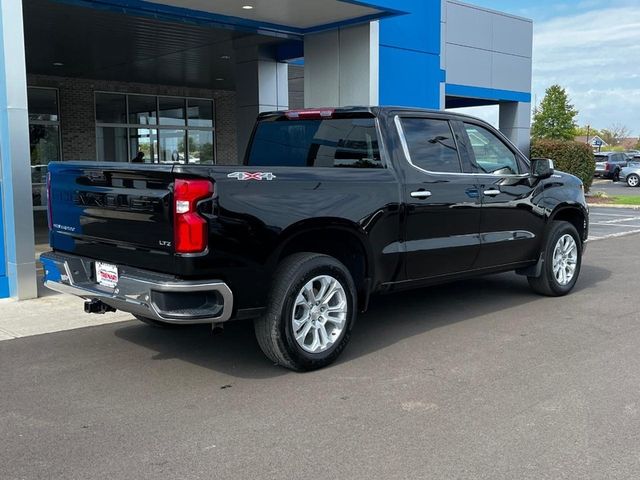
x=617 y=220
x=605 y=224
x=614 y=235
x=610 y=214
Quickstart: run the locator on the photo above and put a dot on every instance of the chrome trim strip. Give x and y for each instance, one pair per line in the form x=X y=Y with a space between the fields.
x=405 y=149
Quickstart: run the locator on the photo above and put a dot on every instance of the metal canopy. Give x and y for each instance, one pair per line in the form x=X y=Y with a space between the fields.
x=110 y=45
x=293 y=15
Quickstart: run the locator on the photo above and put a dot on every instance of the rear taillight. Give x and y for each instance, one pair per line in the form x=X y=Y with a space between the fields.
x=607 y=167
x=49 y=211
x=190 y=229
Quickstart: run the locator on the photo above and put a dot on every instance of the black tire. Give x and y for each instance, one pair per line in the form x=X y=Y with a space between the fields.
x=274 y=330
x=633 y=180
x=616 y=176
x=546 y=283
x=152 y=322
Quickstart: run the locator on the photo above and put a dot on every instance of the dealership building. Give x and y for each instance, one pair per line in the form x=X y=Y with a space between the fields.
x=183 y=80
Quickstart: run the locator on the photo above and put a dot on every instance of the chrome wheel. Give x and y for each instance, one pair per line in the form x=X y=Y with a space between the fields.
x=633 y=180
x=565 y=259
x=319 y=314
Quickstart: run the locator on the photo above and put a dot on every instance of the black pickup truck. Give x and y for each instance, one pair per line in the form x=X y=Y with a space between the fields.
x=330 y=207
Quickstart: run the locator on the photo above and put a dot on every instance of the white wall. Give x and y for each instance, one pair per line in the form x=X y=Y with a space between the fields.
x=341 y=67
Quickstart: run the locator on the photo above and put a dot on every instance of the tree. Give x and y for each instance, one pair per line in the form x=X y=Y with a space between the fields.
x=615 y=133
x=555 y=117
x=589 y=131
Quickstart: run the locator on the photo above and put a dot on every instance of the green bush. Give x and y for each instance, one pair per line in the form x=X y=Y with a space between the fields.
x=568 y=156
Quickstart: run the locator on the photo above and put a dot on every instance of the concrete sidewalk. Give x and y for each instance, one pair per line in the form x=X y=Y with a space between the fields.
x=49 y=313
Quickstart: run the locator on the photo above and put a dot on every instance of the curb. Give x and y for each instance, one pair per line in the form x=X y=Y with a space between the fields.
x=605 y=205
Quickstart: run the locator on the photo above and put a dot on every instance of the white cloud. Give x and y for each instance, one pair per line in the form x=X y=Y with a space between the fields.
x=596 y=57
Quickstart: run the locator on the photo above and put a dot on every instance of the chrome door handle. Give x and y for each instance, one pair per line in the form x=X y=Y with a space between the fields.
x=420 y=194
x=492 y=192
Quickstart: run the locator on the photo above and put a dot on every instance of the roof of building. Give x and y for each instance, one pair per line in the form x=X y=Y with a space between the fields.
x=629 y=143
x=590 y=139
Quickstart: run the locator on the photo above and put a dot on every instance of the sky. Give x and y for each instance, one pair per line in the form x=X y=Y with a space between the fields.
x=590 y=47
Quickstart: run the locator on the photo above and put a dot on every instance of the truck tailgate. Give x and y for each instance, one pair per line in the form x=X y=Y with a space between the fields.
x=113 y=211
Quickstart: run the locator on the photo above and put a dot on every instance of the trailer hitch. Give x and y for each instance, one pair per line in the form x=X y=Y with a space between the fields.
x=97 y=306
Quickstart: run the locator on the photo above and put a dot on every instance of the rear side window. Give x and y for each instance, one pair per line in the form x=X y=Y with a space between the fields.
x=336 y=142
x=431 y=145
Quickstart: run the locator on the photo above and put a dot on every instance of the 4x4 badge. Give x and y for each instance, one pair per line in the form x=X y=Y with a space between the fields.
x=252 y=175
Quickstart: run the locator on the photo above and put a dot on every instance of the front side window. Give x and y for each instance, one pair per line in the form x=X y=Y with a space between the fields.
x=336 y=142
x=491 y=154
x=431 y=145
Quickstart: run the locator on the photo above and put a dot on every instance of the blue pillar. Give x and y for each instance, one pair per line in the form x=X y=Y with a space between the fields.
x=410 y=72
x=4 y=280
x=17 y=250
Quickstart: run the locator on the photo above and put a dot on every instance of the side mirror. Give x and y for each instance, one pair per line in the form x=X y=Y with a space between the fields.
x=541 y=168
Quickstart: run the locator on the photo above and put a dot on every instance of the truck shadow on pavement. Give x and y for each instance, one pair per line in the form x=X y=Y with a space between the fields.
x=390 y=319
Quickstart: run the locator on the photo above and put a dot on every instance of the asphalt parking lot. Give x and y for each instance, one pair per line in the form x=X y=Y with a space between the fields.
x=613 y=188
x=476 y=379
x=606 y=222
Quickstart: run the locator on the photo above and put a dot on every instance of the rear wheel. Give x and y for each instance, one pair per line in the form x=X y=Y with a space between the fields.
x=633 y=180
x=562 y=258
x=616 y=176
x=310 y=313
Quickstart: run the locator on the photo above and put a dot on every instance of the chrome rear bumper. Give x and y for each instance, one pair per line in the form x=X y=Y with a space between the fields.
x=141 y=292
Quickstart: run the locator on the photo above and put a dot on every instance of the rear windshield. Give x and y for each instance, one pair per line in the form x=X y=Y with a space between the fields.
x=336 y=142
x=601 y=158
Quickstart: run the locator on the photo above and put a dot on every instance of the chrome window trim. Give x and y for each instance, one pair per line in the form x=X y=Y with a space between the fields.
x=405 y=148
x=382 y=149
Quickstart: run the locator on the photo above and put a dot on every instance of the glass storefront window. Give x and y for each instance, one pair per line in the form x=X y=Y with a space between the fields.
x=111 y=108
x=44 y=141
x=43 y=104
x=201 y=146
x=39 y=186
x=200 y=113
x=143 y=145
x=172 y=111
x=154 y=129
x=112 y=144
x=143 y=110
x=172 y=146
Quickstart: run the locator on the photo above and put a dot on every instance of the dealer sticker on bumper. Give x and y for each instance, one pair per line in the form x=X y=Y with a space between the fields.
x=107 y=274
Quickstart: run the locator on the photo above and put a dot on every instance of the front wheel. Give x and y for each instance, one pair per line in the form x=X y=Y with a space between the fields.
x=310 y=312
x=633 y=180
x=562 y=259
